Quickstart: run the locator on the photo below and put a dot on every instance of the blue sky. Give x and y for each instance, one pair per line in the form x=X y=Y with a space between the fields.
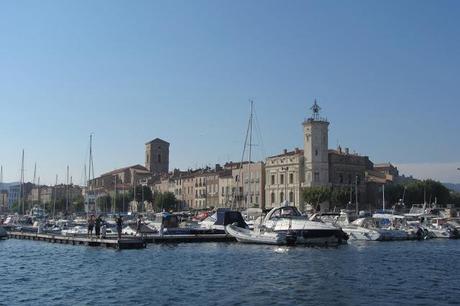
x=386 y=74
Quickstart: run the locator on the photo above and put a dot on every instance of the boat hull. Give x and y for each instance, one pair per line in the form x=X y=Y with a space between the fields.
x=311 y=237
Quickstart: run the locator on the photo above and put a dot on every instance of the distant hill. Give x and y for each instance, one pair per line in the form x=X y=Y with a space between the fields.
x=451 y=186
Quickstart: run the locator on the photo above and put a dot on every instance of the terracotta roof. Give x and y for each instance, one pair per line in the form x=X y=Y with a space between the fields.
x=137 y=167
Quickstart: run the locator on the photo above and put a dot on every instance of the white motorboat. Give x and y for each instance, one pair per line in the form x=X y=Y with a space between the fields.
x=359 y=229
x=440 y=228
x=244 y=235
x=75 y=231
x=395 y=227
x=285 y=225
x=363 y=229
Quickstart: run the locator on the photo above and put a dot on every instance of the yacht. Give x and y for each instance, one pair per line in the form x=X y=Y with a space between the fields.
x=285 y=225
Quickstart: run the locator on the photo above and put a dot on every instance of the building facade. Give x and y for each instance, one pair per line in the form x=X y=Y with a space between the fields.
x=284 y=176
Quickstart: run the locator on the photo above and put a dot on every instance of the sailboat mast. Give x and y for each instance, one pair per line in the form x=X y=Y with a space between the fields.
x=21 y=187
x=250 y=155
x=67 y=191
x=38 y=194
x=54 y=198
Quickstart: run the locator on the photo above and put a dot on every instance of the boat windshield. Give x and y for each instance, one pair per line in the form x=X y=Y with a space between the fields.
x=284 y=212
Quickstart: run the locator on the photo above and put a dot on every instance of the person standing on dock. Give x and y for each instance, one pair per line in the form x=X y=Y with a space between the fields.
x=139 y=225
x=119 y=226
x=90 y=226
x=98 y=226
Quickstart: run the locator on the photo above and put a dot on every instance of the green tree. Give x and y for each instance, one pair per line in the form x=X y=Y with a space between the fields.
x=316 y=195
x=340 y=196
x=165 y=200
x=143 y=193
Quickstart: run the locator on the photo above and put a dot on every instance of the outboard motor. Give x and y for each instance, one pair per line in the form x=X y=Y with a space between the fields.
x=291 y=238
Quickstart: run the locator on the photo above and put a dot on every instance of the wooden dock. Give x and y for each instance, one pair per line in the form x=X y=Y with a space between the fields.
x=189 y=238
x=122 y=244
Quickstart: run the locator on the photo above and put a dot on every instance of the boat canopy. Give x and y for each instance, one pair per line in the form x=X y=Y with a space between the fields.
x=226 y=217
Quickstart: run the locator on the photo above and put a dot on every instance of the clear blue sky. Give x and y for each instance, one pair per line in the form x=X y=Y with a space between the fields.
x=386 y=74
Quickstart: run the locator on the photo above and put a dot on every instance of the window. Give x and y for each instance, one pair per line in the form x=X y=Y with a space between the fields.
x=272 y=198
x=291 y=178
x=273 y=180
x=316 y=177
x=341 y=178
x=349 y=178
x=316 y=152
x=291 y=197
x=281 y=178
x=159 y=158
x=282 y=197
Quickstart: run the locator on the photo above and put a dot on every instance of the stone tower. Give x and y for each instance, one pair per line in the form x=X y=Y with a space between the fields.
x=157 y=156
x=316 y=149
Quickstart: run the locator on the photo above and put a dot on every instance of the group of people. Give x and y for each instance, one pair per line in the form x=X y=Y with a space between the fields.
x=101 y=229
x=97 y=225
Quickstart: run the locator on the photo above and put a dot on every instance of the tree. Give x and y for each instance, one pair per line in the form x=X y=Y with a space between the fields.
x=316 y=195
x=143 y=193
x=340 y=196
x=165 y=200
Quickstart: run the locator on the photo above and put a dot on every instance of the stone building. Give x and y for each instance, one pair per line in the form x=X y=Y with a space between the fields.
x=157 y=156
x=227 y=188
x=122 y=179
x=284 y=175
x=248 y=184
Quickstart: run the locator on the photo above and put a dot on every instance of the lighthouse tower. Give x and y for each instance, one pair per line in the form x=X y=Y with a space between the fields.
x=316 y=149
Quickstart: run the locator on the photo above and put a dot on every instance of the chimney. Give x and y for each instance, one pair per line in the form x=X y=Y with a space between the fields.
x=285 y=151
x=297 y=150
x=347 y=151
x=339 y=149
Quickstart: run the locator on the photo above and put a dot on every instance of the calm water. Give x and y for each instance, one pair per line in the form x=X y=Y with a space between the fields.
x=422 y=273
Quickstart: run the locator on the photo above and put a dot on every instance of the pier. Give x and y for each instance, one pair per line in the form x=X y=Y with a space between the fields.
x=121 y=244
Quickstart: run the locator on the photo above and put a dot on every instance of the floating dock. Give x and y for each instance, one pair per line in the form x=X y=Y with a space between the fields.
x=188 y=238
x=122 y=244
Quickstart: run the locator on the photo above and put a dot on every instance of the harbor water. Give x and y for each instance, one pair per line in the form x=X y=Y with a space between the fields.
x=409 y=273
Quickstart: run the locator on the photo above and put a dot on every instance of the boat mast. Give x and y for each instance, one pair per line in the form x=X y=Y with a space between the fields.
x=67 y=191
x=356 y=196
x=249 y=196
x=54 y=198
x=39 y=200
x=21 y=187
x=34 y=181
